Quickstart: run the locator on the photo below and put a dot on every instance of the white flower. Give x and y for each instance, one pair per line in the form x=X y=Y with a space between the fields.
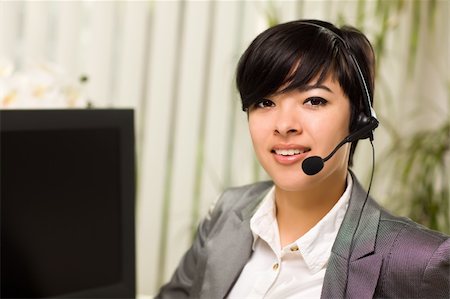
x=39 y=86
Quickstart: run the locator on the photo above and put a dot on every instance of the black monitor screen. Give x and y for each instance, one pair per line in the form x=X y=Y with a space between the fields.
x=62 y=229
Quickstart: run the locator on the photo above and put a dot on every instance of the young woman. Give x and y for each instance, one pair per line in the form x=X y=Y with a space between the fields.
x=311 y=232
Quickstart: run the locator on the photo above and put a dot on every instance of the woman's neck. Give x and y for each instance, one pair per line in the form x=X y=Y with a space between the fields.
x=298 y=212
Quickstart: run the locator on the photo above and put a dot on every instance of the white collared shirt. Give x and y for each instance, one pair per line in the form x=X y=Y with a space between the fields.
x=298 y=269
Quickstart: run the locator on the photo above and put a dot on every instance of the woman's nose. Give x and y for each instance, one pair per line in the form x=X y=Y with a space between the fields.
x=288 y=123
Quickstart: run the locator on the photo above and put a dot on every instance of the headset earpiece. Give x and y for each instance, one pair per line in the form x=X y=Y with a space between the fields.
x=365 y=125
x=362 y=121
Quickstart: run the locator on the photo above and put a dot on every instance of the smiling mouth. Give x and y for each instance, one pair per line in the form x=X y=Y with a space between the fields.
x=290 y=152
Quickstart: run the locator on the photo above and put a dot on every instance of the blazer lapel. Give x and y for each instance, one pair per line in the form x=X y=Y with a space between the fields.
x=353 y=268
x=365 y=265
x=363 y=277
x=230 y=251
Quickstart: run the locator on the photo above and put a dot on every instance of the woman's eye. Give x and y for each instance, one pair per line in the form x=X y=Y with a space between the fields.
x=264 y=103
x=315 y=101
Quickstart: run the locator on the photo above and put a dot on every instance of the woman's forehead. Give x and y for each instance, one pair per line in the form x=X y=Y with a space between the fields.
x=295 y=81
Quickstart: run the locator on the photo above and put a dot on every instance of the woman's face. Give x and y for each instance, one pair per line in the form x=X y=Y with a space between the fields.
x=288 y=127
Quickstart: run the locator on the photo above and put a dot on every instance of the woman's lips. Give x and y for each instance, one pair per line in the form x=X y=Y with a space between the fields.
x=289 y=156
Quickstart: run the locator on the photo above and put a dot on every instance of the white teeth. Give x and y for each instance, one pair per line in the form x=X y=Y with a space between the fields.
x=289 y=152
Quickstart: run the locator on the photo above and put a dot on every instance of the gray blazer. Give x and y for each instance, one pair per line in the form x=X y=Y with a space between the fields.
x=375 y=255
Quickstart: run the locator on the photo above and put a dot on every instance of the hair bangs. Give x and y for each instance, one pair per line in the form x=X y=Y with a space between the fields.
x=264 y=68
x=308 y=72
x=278 y=62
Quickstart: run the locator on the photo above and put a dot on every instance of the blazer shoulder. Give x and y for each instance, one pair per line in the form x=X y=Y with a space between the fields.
x=416 y=259
x=408 y=229
x=404 y=236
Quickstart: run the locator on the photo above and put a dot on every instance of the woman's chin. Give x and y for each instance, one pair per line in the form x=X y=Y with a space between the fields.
x=295 y=183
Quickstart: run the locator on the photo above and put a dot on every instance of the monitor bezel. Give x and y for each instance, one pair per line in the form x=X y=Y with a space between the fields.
x=123 y=120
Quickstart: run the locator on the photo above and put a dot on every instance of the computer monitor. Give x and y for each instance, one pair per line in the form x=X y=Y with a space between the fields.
x=67 y=180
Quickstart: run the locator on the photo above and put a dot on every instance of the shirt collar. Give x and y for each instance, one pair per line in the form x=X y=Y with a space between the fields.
x=314 y=246
x=263 y=224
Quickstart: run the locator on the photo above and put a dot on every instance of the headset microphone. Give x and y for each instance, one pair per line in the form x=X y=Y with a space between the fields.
x=314 y=164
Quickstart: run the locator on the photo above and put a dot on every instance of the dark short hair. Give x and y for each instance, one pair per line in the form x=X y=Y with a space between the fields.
x=291 y=55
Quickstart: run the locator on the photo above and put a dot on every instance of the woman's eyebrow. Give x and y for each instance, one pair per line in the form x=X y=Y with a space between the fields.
x=315 y=86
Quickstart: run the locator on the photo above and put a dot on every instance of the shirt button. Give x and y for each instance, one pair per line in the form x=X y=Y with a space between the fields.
x=294 y=248
x=275 y=266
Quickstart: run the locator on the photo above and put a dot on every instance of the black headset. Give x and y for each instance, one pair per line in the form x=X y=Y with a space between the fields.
x=366 y=121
